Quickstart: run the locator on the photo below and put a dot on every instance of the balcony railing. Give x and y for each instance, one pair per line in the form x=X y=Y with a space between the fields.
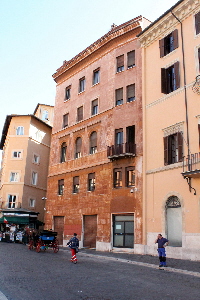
x=191 y=165
x=121 y=150
x=5 y=205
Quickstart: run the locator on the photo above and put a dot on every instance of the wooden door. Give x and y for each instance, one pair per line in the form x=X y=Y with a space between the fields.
x=59 y=228
x=90 y=231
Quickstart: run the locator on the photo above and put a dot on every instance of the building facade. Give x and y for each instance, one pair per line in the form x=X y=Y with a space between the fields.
x=95 y=173
x=25 y=143
x=171 y=118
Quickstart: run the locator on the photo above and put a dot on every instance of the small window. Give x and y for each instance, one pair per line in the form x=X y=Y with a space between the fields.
x=20 y=130
x=173 y=148
x=45 y=115
x=130 y=90
x=170 y=79
x=65 y=120
x=63 y=152
x=197 y=23
x=94 y=108
x=60 y=187
x=131 y=59
x=11 y=201
x=68 y=92
x=199 y=60
x=169 y=43
x=36 y=159
x=96 y=76
x=117 y=178
x=14 y=177
x=76 y=184
x=91 y=182
x=119 y=136
x=78 y=146
x=119 y=96
x=79 y=113
x=32 y=203
x=93 y=142
x=17 y=154
x=82 y=85
x=34 y=178
x=130 y=176
x=120 y=63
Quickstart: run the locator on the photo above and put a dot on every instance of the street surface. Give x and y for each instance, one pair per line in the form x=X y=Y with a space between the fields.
x=28 y=275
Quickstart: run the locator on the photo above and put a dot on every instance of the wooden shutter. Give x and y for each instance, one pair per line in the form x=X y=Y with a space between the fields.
x=78 y=145
x=197 y=22
x=131 y=91
x=120 y=61
x=199 y=133
x=65 y=120
x=180 y=146
x=163 y=81
x=165 y=150
x=80 y=113
x=119 y=94
x=177 y=74
x=93 y=139
x=162 y=47
x=175 y=38
x=76 y=180
x=131 y=58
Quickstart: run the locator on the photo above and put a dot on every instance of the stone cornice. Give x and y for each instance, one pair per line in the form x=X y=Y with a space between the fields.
x=166 y=24
x=115 y=32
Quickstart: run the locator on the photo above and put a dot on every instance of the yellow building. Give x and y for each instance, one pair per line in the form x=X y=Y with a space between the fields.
x=171 y=118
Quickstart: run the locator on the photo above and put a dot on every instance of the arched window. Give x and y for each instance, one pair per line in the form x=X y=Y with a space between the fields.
x=174 y=221
x=78 y=145
x=93 y=142
x=63 y=152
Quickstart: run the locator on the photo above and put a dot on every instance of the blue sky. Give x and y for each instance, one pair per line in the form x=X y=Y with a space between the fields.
x=38 y=35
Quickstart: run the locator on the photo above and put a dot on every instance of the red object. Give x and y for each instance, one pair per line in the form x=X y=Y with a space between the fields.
x=5 y=221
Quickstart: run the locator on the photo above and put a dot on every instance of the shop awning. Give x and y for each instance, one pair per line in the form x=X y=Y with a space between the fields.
x=14 y=220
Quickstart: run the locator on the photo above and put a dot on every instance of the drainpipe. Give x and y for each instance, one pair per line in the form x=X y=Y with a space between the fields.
x=184 y=74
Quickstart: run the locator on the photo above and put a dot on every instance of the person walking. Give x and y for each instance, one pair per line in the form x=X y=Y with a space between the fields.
x=74 y=244
x=162 y=243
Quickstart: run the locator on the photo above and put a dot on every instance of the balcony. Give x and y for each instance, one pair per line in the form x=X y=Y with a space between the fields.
x=121 y=151
x=191 y=166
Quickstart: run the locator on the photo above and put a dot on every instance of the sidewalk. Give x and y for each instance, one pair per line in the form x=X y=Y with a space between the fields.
x=145 y=260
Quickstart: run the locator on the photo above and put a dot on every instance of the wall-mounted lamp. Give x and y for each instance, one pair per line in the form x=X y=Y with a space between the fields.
x=44 y=198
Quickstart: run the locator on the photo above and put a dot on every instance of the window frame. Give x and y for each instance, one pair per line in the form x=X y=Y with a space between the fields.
x=63 y=152
x=93 y=142
x=130 y=59
x=169 y=43
x=197 y=23
x=173 y=148
x=120 y=63
x=130 y=89
x=117 y=178
x=34 y=178
x=76 y=185
x=78 y=147
x=96 y=79
x=13 y=202
x=170 y=78
x=130 y=183
x=18 y=153
x=91 y=182
x=61 y=187
x=65 y=120
x=32 y=202
x=14 y=176
x=20 y=130
x=68 y=93
x=94 y=107
x=82 y=83
x=80 y=113
x=119 y=96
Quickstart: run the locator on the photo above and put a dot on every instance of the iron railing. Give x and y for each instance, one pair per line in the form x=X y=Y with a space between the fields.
x=191 y=162
x=121 y=150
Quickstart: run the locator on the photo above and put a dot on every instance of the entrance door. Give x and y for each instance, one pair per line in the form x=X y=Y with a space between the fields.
x=174 y=222
x=59 y=228
x=90 y=231
x=123 y=231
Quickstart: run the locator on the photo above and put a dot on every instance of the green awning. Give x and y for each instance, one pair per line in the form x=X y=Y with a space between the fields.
x=14 y=220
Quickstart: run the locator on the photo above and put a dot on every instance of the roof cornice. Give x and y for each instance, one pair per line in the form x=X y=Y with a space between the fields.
x=167 y=21
x=115 y=32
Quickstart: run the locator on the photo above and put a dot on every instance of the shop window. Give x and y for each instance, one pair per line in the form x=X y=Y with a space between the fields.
x=60 y=187
x=170 y=79
x=169 y=43
x=91 y=182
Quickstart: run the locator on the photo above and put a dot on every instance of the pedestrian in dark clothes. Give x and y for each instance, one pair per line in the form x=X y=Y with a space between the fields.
x=162 y=243
x=74 y=244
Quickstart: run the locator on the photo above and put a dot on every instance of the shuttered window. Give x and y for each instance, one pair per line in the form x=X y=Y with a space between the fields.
x=63 y=152
x=130 y=90
x=78 y=145
x=93 y=142
x=96 y=76
x=130 y=176
x=91 y=182
x=197 y=22
x=169 y=43
x=68 y=92
x=131 y=59
x=119 y=96
x=173 y=148
x=120 y=63
x=170 y=79
x=82 y=85
x=94 y=108
x=65 y=120
x=80 y=113
x=76 y=184
x=199 y=60
x=60 y=186
x=117 y=178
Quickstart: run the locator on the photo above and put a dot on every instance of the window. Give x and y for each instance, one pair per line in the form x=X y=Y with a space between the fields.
x=199 y=60
x=119 y=136
x=68 y=92
x=82 y=85
x=45 y=114
x=78 y=146
x=130 y=139
x=117 y=178
x=91 y=182
x=173 y=148
x=93 y=142
x=11 y=201
x=20 y=130
x=170 y=79
x=32 y=203
x=120 y=63
x=130 y=176
x=130 y=91
x=131 y=59
x=65 y=120
x=123 y=231
x=169 y=43
x=34 y=178
x=96 y=76
x=36 y=159
x=119 y=96
x=63 y=152
x=94 y=108
x=14 y=177
x=60 y=187
x=79 y=113
x=75 y=184
x=17 y=154
x=197 y=22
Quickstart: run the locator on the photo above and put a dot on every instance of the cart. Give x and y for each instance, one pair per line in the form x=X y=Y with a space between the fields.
x=47 y=240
